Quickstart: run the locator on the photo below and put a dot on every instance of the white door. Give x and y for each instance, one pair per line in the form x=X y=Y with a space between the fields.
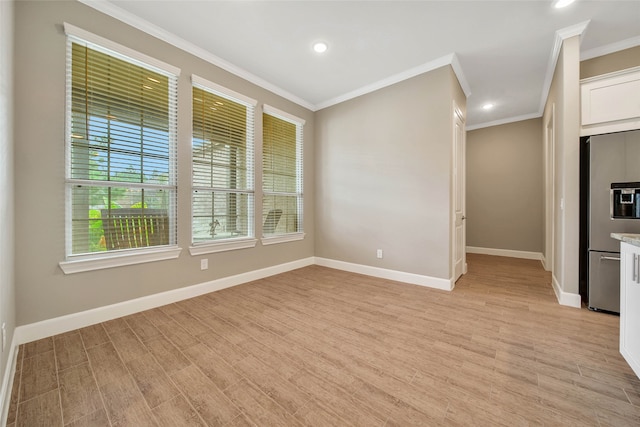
x=459 y=241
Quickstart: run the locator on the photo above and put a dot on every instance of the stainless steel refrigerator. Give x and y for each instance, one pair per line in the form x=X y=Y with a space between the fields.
x=613 y=159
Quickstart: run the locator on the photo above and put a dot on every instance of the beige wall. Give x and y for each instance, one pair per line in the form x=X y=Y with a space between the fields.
x=616 y=61
x=564 y=102
x=7 y=290
x=504 y=191
x=43 y=291
x=383 y=176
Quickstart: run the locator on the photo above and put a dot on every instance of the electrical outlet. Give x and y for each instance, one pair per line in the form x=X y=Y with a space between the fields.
x=379 y=253
x=204 y=264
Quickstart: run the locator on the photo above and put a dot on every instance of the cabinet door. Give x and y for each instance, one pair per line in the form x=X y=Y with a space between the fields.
x=630 y=305
x=609 y=103
x=611 y=99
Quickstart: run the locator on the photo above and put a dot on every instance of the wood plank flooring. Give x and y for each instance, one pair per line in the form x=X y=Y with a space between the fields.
x=322 y=347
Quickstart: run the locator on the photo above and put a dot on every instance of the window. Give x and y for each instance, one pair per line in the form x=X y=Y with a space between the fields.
x=282 y=203
x=121 y=150
x=222 y=168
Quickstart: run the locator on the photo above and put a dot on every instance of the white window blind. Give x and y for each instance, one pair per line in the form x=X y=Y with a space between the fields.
x=282 y=173
x=121 y=151
x=222 y=164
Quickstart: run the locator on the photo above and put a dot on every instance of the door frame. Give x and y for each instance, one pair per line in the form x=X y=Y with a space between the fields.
x=549 y=193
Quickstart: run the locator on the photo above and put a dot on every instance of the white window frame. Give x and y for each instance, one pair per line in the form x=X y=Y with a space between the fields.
x=100 y=260
x=232 y=243
x=299 y=123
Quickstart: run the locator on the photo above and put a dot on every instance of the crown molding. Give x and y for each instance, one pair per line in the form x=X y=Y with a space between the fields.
x=450 y=59
x=561 y=36
x=457 y=69
x=504 y=121
x=610 y=48
x=145 y=26
x=573 y=30
x=612 y=74
x=120 y=14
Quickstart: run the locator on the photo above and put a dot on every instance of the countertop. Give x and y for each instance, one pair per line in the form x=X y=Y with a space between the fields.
x=633 y=239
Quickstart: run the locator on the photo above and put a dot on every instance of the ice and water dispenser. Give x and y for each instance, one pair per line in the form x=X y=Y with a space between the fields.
x=625 y=200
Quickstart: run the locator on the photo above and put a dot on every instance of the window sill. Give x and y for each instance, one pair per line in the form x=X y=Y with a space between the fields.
x=210 y=248
x=118 y=260
x=282 y=238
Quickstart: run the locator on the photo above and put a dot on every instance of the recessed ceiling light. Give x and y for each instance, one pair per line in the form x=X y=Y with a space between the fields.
x=488 y=106
x=558 y=4
x=320 y=47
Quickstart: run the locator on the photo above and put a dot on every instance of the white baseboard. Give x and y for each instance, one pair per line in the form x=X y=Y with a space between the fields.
x=58 y=325
x=544 y=263
x=633 y=362
x=565 y=298
x=383 y=273
x=505 y=252
x=46 y=328
x=7 y=381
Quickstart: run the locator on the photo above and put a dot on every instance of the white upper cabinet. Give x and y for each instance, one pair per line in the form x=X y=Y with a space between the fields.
x=611 y=102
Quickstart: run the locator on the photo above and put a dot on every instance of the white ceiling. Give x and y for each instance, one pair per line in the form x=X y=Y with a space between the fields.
x=503 y=49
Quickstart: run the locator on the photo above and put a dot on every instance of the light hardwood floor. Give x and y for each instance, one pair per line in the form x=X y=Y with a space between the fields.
x=320 y=347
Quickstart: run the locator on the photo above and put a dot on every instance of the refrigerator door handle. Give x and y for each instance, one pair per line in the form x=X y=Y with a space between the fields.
x=609 y=258
x=634 y=271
